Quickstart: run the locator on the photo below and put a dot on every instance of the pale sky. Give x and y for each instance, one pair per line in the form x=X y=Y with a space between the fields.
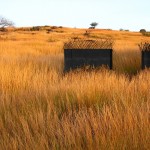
x=110 y=14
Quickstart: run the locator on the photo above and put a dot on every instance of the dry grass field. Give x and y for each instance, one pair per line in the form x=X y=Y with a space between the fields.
x=43 y=108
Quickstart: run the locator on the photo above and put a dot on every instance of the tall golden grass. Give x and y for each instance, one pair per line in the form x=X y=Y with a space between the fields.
x=43 y=108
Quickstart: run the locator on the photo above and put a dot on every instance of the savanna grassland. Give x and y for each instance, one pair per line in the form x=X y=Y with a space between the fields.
x=43 y=108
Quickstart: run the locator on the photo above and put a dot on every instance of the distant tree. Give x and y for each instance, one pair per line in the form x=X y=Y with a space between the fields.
x=142 y=31
x=93 y=25
x=5 y=23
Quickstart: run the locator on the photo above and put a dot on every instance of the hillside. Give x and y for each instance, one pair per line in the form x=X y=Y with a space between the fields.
x=43 y=108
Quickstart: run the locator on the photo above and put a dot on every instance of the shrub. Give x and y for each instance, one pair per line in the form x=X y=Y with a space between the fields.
x=142 y=31
x=124 y=30
x=3 y=29
x=91 y=27
x=146 y=34
x=49 y=30
x=46 y=26
x=36 y=28
x=54 y=27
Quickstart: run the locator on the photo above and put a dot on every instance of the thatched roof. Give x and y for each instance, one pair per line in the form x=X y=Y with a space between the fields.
x=105 y=43
x=144 y=46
